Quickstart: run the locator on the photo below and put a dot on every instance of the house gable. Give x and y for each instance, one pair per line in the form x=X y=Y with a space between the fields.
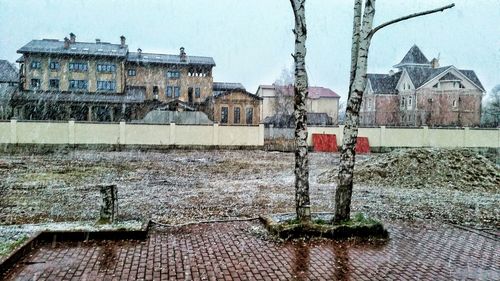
x=404 y=82
x=452 y=78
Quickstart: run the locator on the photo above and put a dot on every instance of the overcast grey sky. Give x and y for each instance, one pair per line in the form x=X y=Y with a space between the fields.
x=251 y=41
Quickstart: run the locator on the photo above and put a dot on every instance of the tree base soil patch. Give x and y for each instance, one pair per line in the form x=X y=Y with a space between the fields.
x=286 y=227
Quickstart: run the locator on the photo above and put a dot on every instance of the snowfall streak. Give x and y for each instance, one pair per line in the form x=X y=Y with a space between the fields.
x=69 y=133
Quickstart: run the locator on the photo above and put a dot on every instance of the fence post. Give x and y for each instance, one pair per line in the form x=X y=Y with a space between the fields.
x=71 y=131
x=466 y=137
x=121 y=139
x=172 y=133
x=13 y=130
x=382 y=137
x=261 y=134
x=215 y=136
x=426 y=142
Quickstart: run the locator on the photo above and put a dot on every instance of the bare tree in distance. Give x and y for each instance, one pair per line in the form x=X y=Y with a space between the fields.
x=490 y=116
x=283 y=102
x=362 y=34
x=302 y=200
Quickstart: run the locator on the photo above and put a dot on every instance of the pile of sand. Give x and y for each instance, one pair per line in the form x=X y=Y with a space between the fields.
x=459 y=169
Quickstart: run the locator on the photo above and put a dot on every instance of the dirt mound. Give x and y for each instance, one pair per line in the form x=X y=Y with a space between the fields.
x=459 y=169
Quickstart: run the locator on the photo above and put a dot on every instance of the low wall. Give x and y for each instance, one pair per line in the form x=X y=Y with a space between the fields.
x=388 y=137
x=171 y=135
x=129 y=134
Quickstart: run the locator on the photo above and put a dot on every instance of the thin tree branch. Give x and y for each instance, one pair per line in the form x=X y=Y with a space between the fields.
x=409 y=17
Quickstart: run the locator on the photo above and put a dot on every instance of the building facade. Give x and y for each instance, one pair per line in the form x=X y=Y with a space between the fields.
x=319 y=100
x=9 y=84
x=105 y=82
x=422 y=93
x=231 y=104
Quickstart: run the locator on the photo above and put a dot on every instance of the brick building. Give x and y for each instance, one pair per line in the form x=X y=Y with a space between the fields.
x=422 y=93
x=320 y=101
x=100 y=81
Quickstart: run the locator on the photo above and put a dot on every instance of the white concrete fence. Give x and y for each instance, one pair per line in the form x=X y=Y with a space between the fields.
x=387 y=137
x=35 y=132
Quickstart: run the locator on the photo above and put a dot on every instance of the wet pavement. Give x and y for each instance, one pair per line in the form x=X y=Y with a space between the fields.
x=242 y=251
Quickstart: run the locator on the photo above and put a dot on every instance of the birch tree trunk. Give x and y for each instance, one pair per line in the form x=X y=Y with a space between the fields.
x=363 y=32
x=302 y=201
x=343 y=193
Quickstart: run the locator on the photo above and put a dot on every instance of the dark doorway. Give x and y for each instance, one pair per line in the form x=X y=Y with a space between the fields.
x=190 y=95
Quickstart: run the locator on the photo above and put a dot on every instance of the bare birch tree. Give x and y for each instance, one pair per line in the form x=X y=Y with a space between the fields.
x=362 y=34
x=302 y=201
x=283 y=101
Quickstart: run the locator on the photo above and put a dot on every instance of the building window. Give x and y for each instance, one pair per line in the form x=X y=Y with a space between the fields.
x=78 y=84
x=106 y=67
x=197 y=92
x=155 y=92
x=402 y=103
x=461 y=86
x=177 y=92
x=36 y=64
x=223 y=115
x=236 y=115
x=54 y=83
x=54 y=65
x=169 y=91
x=369 y=104
x=131 y=72
x=454 y=103
x=249 y=116
x=106 y=85
x=173 y=74
x=78 y=66
x=410 y=100
x=35 y=83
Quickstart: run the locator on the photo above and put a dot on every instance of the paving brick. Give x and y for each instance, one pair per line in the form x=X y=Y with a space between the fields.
x=228 y=251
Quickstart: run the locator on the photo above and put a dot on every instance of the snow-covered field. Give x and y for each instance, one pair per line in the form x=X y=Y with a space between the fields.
x=180 y=186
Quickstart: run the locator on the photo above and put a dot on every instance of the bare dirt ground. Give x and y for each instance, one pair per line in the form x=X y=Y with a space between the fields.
x=179 y=186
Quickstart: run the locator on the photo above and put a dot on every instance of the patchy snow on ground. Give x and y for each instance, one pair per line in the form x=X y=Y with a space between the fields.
x=179 y=186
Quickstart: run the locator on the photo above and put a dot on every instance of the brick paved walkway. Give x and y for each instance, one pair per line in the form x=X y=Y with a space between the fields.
x=233 y=251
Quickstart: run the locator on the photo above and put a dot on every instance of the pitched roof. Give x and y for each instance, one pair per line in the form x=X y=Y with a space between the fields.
x=224 y=86
x=473 y=77
x=54 y=46
x=449 y=77
x=384 y=83
x=420 y=75
x=168 y=59
x=413 y=57
x=8 y=72
x=288 y=121
x=132 y=97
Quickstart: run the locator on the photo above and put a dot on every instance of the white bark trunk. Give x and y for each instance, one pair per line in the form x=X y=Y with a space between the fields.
x=359 y=63
x=343 y=193
x=302 y=201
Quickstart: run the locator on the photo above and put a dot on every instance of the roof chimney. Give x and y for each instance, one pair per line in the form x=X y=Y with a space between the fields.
x=72 y=38
x=97 y=40
x=391 y=72
x=122 y=41
x=182 y=54
x=66 y=43
x=435 y=63
x=139 y=52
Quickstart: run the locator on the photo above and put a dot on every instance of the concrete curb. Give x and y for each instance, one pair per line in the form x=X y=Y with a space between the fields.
x=8 y=263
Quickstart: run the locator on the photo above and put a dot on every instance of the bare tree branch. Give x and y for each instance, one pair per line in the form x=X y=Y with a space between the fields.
x=409 y=17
